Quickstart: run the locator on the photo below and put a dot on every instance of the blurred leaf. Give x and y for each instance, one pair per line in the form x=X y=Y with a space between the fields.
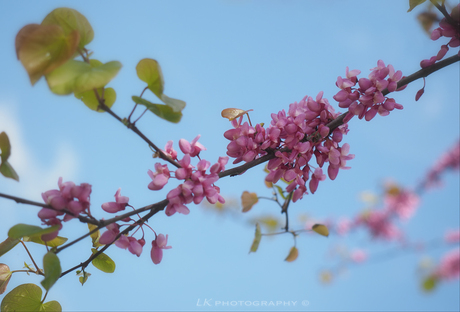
x=43 y=48
x=248 y=200
x=103 y=262
x=149 y=71
x=71 y=20
x=268 y=184
x=257 y=238
x=270 y=222
x=90 y=99
x=5 y=276
x=52 y=268
x=20 y=230
x=5 y=147
x=320 y=229
x=293 y=254
x=55 y=242
x=326 y=277
x=97 y=77
x=84 y=277
x=163 y=111
x=62 y=80
x=414 y=3
x=233 y=113
x=95 y=236
x=7 y=171
x=427 y=19
x=280 y=191
x=27 y=297
x=429 y=283
x=176 y=105
x=7 y=245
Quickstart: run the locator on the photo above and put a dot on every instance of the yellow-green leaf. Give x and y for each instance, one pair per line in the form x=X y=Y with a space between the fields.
x=103 y=262
x=429 y=283
x=149 y=71
x=321 y=229
x=97 y=77
x=27 y=297
x=176 y=105
x=293 y=254
x=62 y=80
x=20 y=230
x=257 y=238
x=55 y=242
x=71 y=20
x=43 y=48
x=7 y=245
x=248 y=200
x=163 y=111
x=414 y=3
x=89 y=98
x=7 y=171
x=52 y=268
x=95 y=236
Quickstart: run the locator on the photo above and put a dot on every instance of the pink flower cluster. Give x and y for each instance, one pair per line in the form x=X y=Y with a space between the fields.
x=449 y=268
x=134 y=245
x=69 y=200
x=450 y=160
x=295 y=137
x=399 y=204
x=197 y=183
x=367 y=99
x=448 y=30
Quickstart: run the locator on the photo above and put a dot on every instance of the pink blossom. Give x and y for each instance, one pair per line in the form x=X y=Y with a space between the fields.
x=108 y=236
x=452 y=236
x=120 y=203
x=193 y=148
x=159 y=178
x=158 y=245
x=379 y=224
x=449 y=268
x=170 y=151
x=343 y=226
x=358 y=256
x=402 y=202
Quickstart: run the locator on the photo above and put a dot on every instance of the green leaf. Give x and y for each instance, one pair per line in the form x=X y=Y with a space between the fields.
x=176 y=105
x=257 y=238
x=7 y=171
x=84 y=277
x=280 y=191
x=149 y=71
x=43 y=48
x=52 y=267
x=162 y=111
x=5 y=276
x=71 y=20
x=414 y=3
x=293 y=254
x=5 y=147
x=20 y=230
x=90 y=99
x=55 y=242
x=103 y=262
x=7 y=245
x=27 y=297
x=248 y=200
x=320 y=229
x=429 y=283
x=97 y=77
x=95 y=236
x=62 y=80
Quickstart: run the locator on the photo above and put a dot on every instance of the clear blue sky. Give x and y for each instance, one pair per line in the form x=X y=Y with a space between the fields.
x=260 y=55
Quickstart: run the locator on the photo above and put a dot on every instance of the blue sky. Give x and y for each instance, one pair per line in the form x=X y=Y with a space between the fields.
x=260 y=55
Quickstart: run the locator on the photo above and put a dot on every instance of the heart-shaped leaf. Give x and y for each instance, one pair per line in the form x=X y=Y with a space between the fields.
x=71 y=20
x=103 y=262
x=163 y=111
x=52 y=267
x=27 y=297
